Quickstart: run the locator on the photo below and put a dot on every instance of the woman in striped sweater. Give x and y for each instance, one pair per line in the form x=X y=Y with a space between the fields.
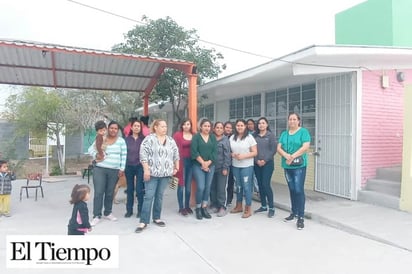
x=107 y=172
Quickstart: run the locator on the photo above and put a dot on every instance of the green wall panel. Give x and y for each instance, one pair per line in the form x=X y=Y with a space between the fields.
x=402 y=23
x=375 y=22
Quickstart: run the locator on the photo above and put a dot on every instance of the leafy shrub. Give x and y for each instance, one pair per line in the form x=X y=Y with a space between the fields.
x=56 y=171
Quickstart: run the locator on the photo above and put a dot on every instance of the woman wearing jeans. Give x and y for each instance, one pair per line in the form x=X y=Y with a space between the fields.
x=183 y=139
x=203 y=150
x=264 y=165
x=294 y=143
x=244 y=149
x=134 y=169
x=160 y=160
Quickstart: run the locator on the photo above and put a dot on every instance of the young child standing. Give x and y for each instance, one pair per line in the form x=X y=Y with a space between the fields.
x=5 y=188
x=101 y=129
x=79 y=221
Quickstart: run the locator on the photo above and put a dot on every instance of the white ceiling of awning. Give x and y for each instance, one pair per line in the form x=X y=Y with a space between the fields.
x=49 y=65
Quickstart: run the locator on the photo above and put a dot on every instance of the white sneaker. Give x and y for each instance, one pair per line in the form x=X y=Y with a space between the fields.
x=110 y=217
x=95 y=221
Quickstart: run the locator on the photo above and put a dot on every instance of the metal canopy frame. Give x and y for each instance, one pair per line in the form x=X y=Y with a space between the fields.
x=49 y=65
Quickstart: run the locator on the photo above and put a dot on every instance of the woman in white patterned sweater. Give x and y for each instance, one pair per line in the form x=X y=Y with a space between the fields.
x=159 y=156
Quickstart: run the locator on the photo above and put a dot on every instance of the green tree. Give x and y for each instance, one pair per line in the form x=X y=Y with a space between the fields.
x=45 y=112
x=88 y=106
x=165 y=38
x=40 y=113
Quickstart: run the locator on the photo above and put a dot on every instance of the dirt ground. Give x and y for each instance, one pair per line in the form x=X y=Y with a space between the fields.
x=23 y=167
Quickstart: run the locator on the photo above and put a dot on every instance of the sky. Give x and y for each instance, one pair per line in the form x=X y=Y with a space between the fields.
x=263 y=27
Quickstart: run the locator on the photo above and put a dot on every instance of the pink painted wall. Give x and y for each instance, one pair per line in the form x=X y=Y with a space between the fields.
x=382 y=121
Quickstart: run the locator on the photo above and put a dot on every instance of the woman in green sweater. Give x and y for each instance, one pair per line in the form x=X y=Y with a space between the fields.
x=203 y=150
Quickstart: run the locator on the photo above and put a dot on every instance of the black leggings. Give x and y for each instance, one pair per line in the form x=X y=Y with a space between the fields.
x=74 y=232
x=230 y=184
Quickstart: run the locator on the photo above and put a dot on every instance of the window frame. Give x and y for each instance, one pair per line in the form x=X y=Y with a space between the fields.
x=278 y=104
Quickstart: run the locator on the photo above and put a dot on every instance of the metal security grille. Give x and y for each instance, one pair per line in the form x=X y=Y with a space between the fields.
x=334 y=135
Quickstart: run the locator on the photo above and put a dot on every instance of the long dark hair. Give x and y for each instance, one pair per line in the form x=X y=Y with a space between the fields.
x=203 y=121
x=236 y=134
x=224 y=126
x=183 y=122
x=297 y=116
x=267 y=122
x=112 y=122
x=140 y=134
x=218 y=122
x=254 y=124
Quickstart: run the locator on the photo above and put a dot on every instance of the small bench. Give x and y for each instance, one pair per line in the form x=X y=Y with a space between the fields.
x=87 y=171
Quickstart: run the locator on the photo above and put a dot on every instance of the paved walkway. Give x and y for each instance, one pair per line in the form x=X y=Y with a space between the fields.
x=187 y=240
x=382 y=224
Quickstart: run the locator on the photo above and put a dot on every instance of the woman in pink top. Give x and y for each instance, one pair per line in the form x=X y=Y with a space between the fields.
x=183 y=139
x=127 y=130
x=145 y=126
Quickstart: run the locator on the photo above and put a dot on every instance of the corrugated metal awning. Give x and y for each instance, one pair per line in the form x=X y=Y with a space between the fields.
x=49 y=65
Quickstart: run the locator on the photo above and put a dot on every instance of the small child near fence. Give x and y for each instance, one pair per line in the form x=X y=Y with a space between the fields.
x=79 y=222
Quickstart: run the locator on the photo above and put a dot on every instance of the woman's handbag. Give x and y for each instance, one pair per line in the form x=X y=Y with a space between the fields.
x=297 y=161
x=174 y=181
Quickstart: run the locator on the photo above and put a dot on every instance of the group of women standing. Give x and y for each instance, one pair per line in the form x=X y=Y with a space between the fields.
x=211 y=157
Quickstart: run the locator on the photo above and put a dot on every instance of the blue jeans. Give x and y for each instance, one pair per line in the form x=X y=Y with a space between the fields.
x=187 y=178
x=264 y=175
x=132 y=172
x=296 y=182
x=203 y=181
x=154 y=189
x=104 y=182
x=244 y=183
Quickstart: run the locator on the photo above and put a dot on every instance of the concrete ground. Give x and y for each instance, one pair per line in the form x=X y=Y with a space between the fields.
x=340 y=236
